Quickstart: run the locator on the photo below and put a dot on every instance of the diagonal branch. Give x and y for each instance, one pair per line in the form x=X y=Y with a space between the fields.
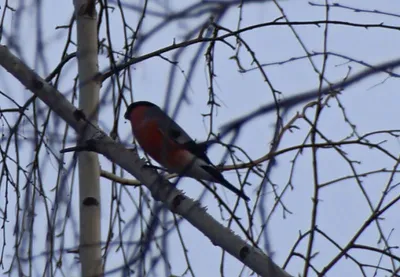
x=160 y=189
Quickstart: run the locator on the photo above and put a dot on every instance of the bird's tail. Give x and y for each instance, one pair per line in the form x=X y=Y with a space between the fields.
x=229 y=186
x=220 y=179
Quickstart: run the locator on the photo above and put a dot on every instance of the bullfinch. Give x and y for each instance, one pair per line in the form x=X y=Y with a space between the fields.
x=167 y=143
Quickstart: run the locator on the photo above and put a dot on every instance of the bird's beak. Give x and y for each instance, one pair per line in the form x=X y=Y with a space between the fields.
x=127 y=113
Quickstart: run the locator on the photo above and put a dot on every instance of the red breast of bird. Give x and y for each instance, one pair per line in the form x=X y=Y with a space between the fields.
x=150 y=131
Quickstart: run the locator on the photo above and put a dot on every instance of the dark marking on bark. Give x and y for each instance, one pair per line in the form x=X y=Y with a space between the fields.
x=88 y=9
x=177 y=201
x=244 y=252
x=37 y=84
x=79 y=114
x=90 y=201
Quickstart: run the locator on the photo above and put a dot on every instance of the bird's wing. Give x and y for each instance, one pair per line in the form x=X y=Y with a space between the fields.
x=180 y=137
x=172 y=131
x=198 y=150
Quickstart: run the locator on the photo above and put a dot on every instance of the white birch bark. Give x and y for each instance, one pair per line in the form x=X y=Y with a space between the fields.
x=89 y=168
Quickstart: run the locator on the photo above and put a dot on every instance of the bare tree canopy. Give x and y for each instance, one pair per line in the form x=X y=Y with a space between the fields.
x=294 y=102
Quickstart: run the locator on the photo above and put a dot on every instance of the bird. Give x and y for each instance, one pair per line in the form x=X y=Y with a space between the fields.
x=168 y=144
